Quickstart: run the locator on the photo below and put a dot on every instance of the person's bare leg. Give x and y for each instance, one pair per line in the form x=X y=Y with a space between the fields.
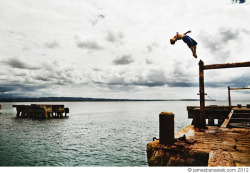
x=195 y=55
x=193 y=51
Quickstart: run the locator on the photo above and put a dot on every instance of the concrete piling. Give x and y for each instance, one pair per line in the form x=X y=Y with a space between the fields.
x=166 y=128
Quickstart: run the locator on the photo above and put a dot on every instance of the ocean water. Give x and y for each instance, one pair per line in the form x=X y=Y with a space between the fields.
x=95 y=134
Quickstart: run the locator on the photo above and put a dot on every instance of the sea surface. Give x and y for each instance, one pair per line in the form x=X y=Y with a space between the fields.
x=95 y=134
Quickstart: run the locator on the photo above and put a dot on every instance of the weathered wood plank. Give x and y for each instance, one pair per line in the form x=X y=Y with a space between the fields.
x=225 y=123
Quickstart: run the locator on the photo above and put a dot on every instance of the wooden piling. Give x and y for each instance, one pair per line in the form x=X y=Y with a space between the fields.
x=202 y=121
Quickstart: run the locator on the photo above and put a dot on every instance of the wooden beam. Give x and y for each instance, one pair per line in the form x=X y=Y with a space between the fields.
x=229 y=89
x=228 y=65
x=225 y=123
x=239 y=88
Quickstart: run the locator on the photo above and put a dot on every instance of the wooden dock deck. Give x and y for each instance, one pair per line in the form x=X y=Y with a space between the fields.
x=230 y=116
x=234 y=141
x=41 y=111
x=196 y=147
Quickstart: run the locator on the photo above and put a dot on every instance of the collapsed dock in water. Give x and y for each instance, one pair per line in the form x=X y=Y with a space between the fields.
x=41 y=111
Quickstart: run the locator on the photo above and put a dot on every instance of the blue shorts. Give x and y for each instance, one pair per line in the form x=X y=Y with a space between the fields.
x=190 y=42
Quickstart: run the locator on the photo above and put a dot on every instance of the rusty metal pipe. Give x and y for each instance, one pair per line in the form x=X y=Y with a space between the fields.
x=228 y=65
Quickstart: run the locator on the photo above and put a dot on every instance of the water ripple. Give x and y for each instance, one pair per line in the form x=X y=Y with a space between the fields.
x=101 y=134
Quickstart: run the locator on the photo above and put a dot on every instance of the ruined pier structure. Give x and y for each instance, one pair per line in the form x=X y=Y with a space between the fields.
x=220 y=144
x=204 y=143
x=41 y=111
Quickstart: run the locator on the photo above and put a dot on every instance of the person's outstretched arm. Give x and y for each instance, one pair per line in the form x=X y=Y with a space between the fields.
x=187 y=32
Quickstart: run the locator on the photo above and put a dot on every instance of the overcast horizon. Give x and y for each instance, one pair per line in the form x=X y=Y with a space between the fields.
x=120 y=49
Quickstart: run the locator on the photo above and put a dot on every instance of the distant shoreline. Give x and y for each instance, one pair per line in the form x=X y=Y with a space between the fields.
x=80 y=99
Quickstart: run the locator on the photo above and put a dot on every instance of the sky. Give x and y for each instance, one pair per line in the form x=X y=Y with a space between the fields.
x=121 y=49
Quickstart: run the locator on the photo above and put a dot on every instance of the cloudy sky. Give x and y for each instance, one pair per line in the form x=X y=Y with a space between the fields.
x=121 y=49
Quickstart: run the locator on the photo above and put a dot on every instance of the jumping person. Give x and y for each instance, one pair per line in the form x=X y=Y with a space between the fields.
x=190 y=42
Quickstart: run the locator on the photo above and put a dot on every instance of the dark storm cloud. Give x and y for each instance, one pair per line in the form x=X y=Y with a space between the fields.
x=59 y=76
x=179 y=69
x=246 y=31
x=154 y=83
x=15 y=63
x=151 y=47
x=139 y=82
x=241 y=81
x=20 y=88
x=50 y=74
x=115 y=37
x=154 y=78
x=218 y=42
x=97 y=69
x=148 y=61
x=51 y=45
x=123 y=60
x=97 y=18
x=7 y=88
x=120 y=87
x=227 y=34
x=220 y=39
x=88 y=45
x=181 y=83
x=43 y=78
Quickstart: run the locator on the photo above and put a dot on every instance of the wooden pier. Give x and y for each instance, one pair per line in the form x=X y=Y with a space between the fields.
x=196 y=147
x=229 y=116
x=41 y=111
x=205 y=142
